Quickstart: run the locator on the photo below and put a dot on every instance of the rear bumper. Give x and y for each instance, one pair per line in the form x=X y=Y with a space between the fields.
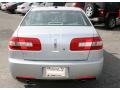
x=97 y=19
x=76 y=69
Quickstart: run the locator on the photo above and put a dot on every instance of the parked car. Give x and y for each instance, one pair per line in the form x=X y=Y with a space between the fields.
x=36 y=4
x=45 y=47
x=10 y=4
x=75 y=4
x=101 y=12
x=13 y=6
x=0 y=5
x=49 y=4
x=104 y=12
x=24 y=8
x=59 y=3
x=4 y=6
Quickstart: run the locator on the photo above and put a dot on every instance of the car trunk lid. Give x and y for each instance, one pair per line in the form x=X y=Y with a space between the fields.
x=55 y=42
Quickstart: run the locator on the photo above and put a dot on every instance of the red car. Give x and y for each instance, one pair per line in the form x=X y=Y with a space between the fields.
x=101 y=12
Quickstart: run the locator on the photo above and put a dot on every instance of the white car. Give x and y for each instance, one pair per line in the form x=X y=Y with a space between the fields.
x=10 y=4
x=4 y=6
x=24 y=8
x=0 y=5
x=56 y=43
x=36 y=4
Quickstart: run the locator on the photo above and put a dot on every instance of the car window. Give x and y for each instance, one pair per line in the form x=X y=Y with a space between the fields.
x=55 y=18
x=100 y=4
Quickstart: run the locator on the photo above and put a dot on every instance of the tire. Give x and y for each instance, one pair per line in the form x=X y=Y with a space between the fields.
x=110 y=22
x=91 y=10
x=23 y=14
x=11 y=11
x=93 y=23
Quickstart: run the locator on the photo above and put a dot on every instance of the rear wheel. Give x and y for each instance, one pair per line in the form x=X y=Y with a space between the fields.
x=110 y=22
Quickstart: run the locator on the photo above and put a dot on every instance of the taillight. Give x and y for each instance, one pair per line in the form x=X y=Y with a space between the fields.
x=88 y=43
x=102 y=12
x=23 y=43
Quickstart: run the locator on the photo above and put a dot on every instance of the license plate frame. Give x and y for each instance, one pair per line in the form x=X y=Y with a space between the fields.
x=55 y=72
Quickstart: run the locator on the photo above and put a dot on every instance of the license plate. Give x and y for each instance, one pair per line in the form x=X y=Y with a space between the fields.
x=55 y=72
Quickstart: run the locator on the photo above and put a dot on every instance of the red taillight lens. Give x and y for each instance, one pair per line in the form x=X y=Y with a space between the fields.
x=23 y=43
x=86 y=77
x=89 y=43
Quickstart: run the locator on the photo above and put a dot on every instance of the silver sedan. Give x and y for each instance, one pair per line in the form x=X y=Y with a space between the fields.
x=55 y=43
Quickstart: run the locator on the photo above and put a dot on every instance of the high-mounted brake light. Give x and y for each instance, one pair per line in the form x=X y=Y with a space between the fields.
x=23 y=43
x=88 y=43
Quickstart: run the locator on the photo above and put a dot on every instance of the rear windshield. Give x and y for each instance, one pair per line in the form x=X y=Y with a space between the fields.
x=55 y=18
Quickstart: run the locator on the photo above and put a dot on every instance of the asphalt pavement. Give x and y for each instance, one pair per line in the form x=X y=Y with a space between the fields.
x=110 y=76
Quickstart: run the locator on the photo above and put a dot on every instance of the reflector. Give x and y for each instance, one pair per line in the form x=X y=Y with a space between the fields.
x=89 y=43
